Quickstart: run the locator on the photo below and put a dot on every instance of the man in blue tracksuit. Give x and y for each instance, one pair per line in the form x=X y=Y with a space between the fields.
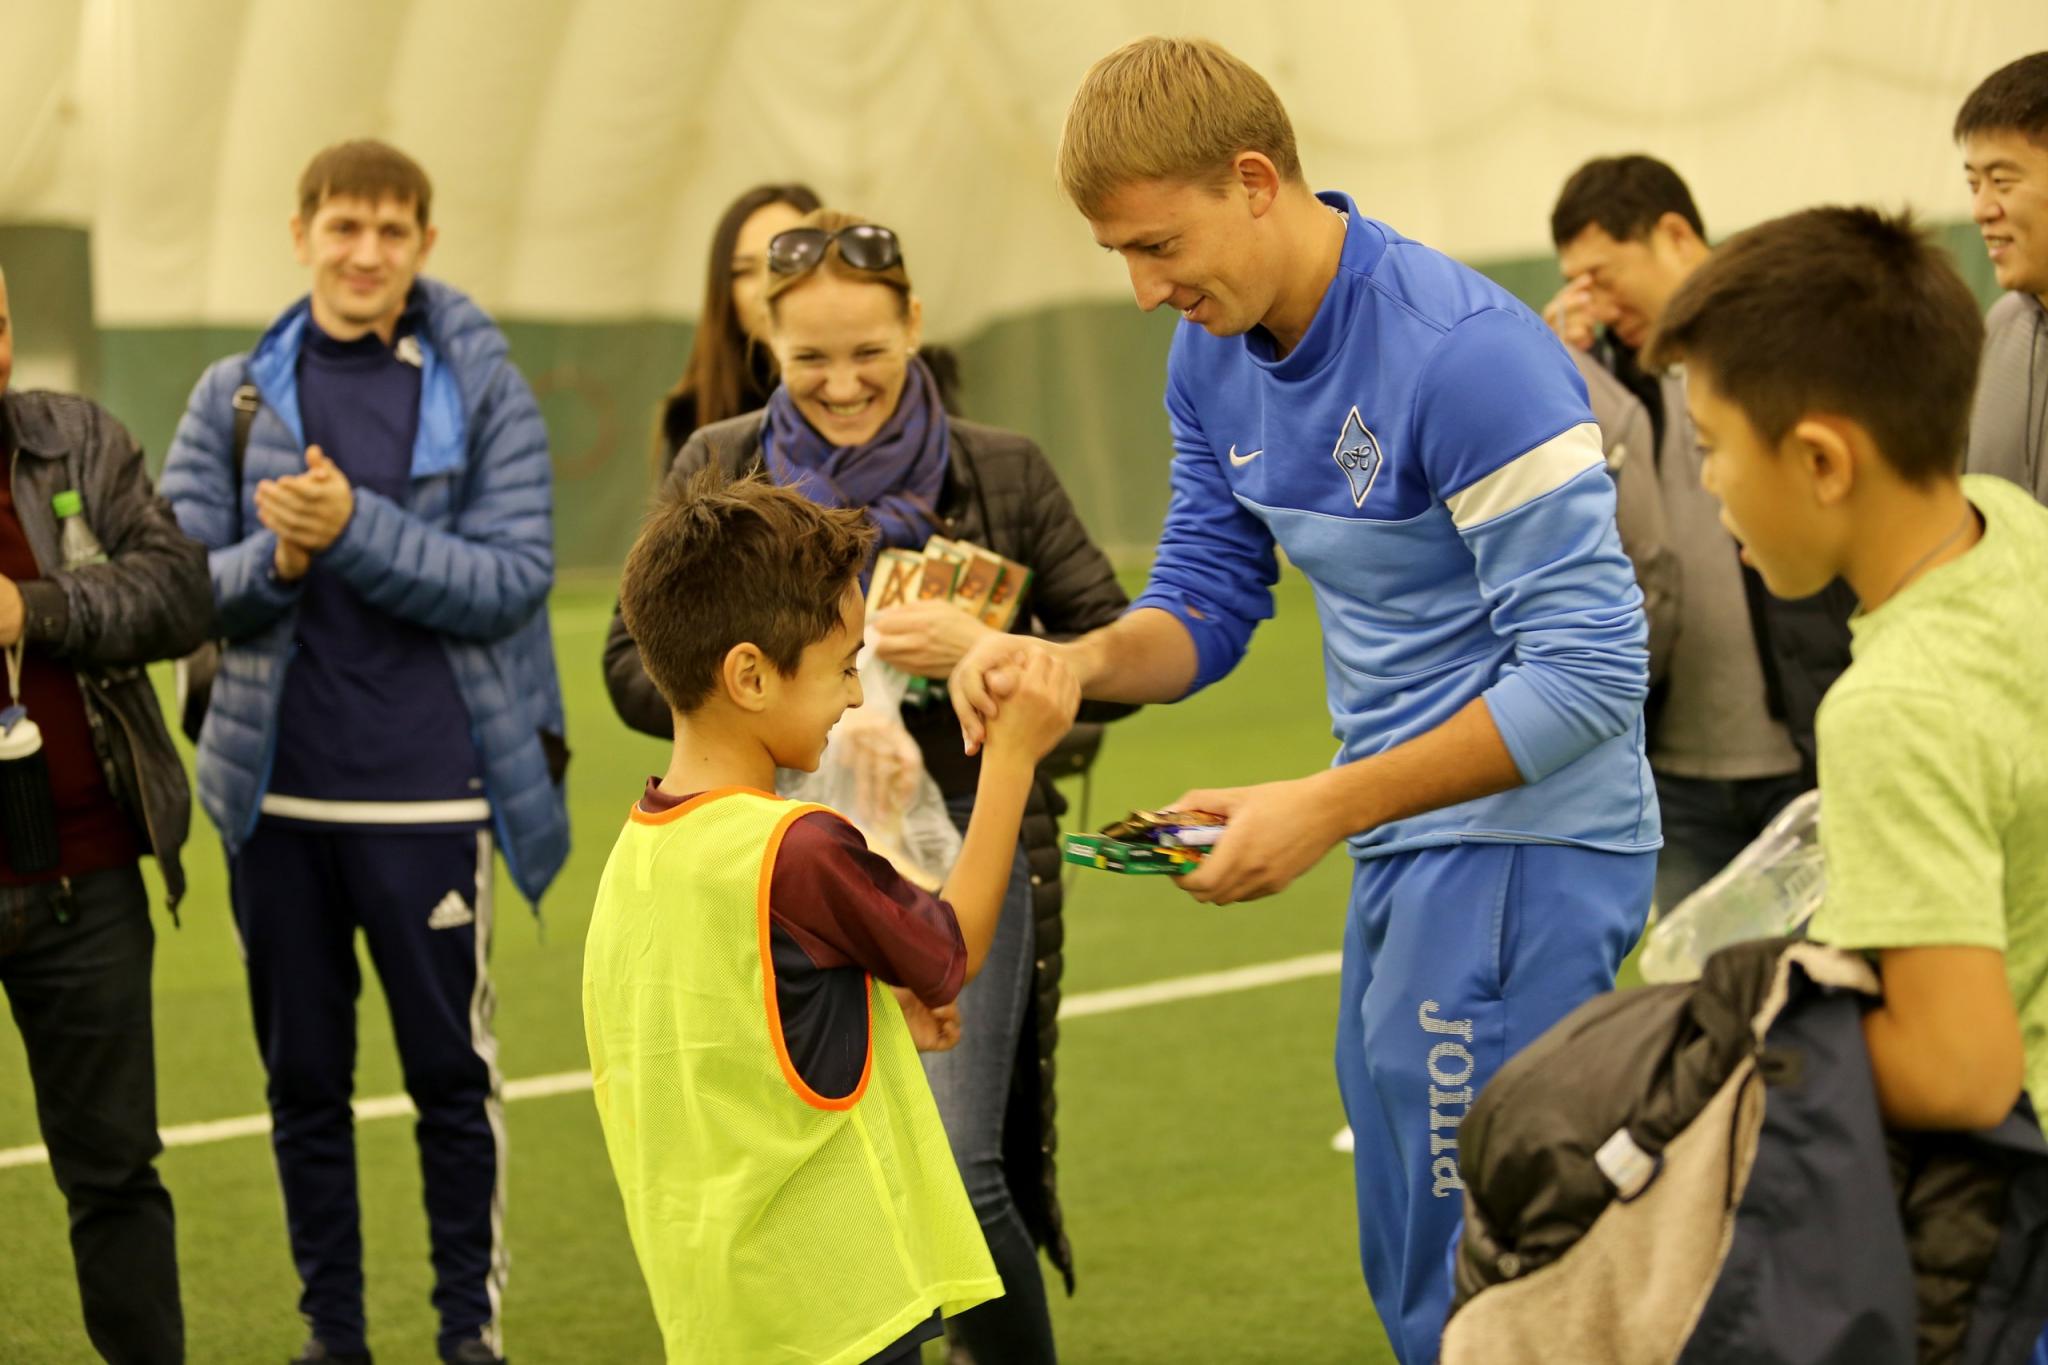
x=1421 y=447
x=386 y=714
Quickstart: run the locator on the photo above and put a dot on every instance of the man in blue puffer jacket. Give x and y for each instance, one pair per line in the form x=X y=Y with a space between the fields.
x=386 y=713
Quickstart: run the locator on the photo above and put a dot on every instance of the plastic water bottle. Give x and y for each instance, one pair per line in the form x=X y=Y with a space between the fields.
x=1769 y=890
x=79 y=544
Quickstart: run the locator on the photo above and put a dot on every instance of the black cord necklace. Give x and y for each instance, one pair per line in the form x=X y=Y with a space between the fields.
x=1969 y=515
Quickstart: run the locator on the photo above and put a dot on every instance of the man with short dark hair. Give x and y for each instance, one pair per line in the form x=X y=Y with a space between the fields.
x=2003 y=130
x=1731 y=722
x=96 y=580
x=386 y=716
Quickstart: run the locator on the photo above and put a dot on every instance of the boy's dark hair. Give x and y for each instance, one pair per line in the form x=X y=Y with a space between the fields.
x=721 y=563
x=1623 y=196
x=1836 y=310
x=2013 y=98
x=364 y=169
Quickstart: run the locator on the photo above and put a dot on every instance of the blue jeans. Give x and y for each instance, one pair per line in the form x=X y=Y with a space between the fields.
x=1707 y=822
x=972 y=1086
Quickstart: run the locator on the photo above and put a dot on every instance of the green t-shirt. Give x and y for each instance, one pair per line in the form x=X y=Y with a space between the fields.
x=1934 y=764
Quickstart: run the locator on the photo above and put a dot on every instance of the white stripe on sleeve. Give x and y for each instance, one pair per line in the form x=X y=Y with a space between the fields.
x=1528 y=477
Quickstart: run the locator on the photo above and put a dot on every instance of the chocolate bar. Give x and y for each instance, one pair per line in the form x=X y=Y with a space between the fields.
x=1146 y=825
x=1115 y=855
x=1006 y=597
x=978 y=581
x=895 y=579
x=941 y=571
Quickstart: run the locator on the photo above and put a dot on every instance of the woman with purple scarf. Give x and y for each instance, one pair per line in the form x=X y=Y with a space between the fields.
x=857 y=422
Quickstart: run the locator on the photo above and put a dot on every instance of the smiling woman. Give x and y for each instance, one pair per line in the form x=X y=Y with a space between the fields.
x=843 y=322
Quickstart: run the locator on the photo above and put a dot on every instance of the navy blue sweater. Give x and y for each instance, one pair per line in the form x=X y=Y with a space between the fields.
x=370 y=710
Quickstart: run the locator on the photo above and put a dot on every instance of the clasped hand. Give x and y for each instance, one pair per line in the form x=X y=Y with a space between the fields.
x=307 y=512
x=990 y=671
x=1277 y=830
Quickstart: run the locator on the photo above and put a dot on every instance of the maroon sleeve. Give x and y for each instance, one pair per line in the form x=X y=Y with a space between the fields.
x=848 y=906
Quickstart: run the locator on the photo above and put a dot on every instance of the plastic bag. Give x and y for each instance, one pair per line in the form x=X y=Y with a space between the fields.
x=1771 y=889
x=872 y=772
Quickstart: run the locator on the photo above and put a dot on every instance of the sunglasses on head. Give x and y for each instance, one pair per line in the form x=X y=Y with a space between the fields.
x=864 y=246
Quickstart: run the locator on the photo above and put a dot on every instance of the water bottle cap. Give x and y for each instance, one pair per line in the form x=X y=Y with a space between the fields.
x=67 y=503
x=20 y=740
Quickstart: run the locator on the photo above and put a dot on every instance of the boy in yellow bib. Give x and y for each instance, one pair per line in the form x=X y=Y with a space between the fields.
x=789 y=1189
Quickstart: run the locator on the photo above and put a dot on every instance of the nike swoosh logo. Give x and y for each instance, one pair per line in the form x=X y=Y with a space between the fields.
x=1241 y=460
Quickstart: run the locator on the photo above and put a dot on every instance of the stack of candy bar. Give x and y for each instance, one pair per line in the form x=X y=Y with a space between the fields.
x=985 y=585
x=1147 y=843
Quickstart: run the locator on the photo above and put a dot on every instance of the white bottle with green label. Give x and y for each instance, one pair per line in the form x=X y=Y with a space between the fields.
x=80 y=545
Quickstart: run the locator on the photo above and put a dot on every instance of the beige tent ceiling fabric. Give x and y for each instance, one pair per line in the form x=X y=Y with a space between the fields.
x=582 y=149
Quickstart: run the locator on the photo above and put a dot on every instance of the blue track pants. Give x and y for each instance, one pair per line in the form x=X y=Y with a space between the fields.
x=1455 y=958
x=422 y=902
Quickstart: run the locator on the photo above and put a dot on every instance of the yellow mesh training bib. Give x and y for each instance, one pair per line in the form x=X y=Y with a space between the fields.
x=772 y=1224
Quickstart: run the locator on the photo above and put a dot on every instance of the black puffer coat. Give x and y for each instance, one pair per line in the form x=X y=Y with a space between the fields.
x=1001 y=494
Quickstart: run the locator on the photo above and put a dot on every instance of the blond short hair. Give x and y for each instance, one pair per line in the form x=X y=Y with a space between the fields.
x=1177 y=109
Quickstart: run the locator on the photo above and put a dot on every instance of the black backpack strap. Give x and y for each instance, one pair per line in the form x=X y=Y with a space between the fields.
x=248 y=401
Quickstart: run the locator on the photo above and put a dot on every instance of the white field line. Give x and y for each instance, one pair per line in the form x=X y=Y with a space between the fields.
x=571 y=1082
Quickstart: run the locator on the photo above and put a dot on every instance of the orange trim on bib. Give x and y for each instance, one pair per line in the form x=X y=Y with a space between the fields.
x=674 y=813
x=789 y=1071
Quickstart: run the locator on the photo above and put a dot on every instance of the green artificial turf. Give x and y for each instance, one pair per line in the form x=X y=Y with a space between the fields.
x=1210 y=1219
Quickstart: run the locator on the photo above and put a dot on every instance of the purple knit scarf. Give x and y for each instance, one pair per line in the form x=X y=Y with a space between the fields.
x=896 y=476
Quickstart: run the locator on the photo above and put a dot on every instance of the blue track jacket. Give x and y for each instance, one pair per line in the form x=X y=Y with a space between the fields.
x=1427 y=458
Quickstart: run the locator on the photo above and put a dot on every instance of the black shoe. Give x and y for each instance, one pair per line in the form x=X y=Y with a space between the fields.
x=315 y=1352
x=472 y=1352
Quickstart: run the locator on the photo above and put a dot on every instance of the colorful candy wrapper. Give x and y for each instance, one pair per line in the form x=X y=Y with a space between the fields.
x=1006 y=597
x=1115 y=855
x=1147 y=842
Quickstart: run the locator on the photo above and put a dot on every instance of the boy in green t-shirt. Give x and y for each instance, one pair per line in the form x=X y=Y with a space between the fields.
x=1829 y=359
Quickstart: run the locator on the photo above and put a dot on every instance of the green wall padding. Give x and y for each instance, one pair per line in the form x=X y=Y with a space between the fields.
x=49 y=294
x=1088 y=383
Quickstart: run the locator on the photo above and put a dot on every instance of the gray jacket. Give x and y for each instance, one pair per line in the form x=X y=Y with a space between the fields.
x=1630 y=444
x=2009 y=420
x=151 y=600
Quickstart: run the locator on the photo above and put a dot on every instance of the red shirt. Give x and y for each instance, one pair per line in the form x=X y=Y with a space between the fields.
x=838 y=912
x=93 y=832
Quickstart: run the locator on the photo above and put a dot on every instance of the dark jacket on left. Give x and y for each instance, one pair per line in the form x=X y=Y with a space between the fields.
x=151 y=600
